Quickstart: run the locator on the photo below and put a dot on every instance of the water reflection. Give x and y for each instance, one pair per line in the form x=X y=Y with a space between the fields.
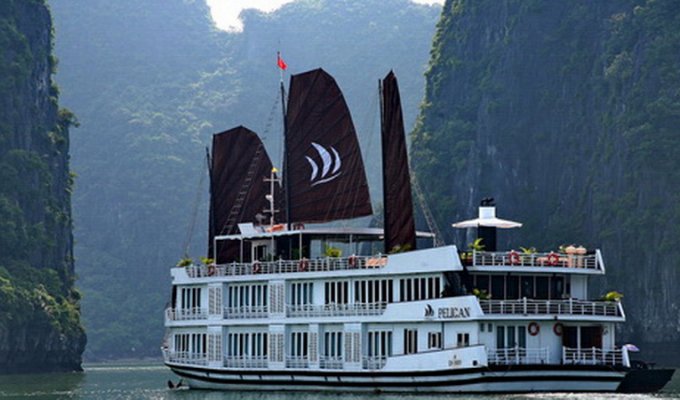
x=40 y=386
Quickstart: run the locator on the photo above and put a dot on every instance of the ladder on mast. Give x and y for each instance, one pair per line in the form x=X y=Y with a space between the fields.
x=429 y=218
x=235 y=211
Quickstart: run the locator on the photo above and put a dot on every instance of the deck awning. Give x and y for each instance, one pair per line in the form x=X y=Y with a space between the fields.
x=487 y=218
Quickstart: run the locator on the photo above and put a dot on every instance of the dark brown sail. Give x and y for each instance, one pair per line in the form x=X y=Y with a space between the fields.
x=400 y=231
x=239 y=165
x=326 y=174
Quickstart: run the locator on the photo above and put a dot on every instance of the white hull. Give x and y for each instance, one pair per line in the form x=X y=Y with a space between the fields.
x=478 y=380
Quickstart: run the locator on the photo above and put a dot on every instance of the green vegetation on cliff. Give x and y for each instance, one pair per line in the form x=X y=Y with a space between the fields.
x=39 y=313
x=568 y=113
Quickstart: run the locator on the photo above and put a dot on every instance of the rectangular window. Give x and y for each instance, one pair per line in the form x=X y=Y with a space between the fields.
x=482 y=282
x=298 y=344
x=301 y=293
x=379 y=343
x=542 y=287
x=512 y=340
x=333 y=344
x=527 y=284
x=500 y=337
x=512 y=288
x=413 y=289
x=434 y=340
x=556 y=287
x=463 y=340
x=522 y=336
x=410 y=341
x=497 y=287
x=336 y=292
x=191 y=298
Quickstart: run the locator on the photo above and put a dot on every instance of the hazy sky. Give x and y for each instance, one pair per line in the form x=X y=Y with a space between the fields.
x=225 y=12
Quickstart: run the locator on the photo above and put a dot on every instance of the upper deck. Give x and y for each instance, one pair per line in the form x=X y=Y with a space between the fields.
x=546 y=262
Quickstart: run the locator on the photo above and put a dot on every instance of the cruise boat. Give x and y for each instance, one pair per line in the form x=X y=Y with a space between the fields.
x=303 y=305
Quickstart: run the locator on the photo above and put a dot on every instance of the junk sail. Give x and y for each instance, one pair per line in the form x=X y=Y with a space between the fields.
x=400 y=231
x=326 y=174
x=238 y=167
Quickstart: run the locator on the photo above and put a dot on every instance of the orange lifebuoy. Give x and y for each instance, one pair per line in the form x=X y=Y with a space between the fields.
x=534 y=328
x=256 y=267
x=558 y=328
x=352 y=261
x=303 y=265
x=211 y=270
x=553 y=259
x=514 y=258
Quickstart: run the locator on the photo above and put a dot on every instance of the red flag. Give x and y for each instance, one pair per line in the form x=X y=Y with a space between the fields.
x=279 y=61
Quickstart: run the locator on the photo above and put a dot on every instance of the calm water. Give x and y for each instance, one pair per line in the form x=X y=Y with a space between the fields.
x=134 y=382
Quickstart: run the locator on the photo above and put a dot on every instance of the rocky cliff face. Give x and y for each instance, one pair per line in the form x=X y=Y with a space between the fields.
x=567 y=113
x=39 y=315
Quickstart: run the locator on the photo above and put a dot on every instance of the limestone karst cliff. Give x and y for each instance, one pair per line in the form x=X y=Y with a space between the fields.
x=39 y=314
x=568 y=113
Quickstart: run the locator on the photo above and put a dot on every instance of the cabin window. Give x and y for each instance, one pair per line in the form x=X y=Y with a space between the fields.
x=527 y=285
x=410 y=341
x=333 y=345
x=413 y=289
x=299 y=344
x=336 y=292
x=522 y=336
x=497 y=287
x=373 y=291
x=500 y=337
x=247 y=345
x=462 y=340
x=434 y=340
x=482 y=282
x=511 y=336
x=247 y=295
x=191 y=298
x=190 y=343
x=512 y=287
x=557 y=287
x=301 y=293
x=542 y=287
x=379 y=344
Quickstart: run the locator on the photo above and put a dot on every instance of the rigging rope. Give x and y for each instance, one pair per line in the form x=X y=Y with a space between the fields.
x=194 y=216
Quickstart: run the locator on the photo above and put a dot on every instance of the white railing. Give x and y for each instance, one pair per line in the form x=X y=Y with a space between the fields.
x=335 y=310
x=246 y=312
x=554 y=260
x=185 y=357
x=186 y=314
x=518 y=355
x=287 y=266
x=246 y=361
x=297 y=362
x=593 y=356
x=331 y=362
x=374 y=362
x=525 y=306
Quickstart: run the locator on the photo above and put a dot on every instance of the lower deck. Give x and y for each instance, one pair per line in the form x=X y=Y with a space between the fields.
x=357 y=346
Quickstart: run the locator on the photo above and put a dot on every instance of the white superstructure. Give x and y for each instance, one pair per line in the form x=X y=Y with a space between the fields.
x=398 y=322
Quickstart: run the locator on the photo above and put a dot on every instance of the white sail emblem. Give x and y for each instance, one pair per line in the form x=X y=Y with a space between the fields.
x=327 y=161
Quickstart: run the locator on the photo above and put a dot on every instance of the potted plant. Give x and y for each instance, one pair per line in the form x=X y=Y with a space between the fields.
x=185 y=262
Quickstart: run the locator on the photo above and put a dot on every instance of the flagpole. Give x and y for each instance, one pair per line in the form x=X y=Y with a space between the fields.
x=286 y=175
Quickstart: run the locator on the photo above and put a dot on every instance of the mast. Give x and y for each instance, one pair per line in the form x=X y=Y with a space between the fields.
x=286 y=174
x=386 y=225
